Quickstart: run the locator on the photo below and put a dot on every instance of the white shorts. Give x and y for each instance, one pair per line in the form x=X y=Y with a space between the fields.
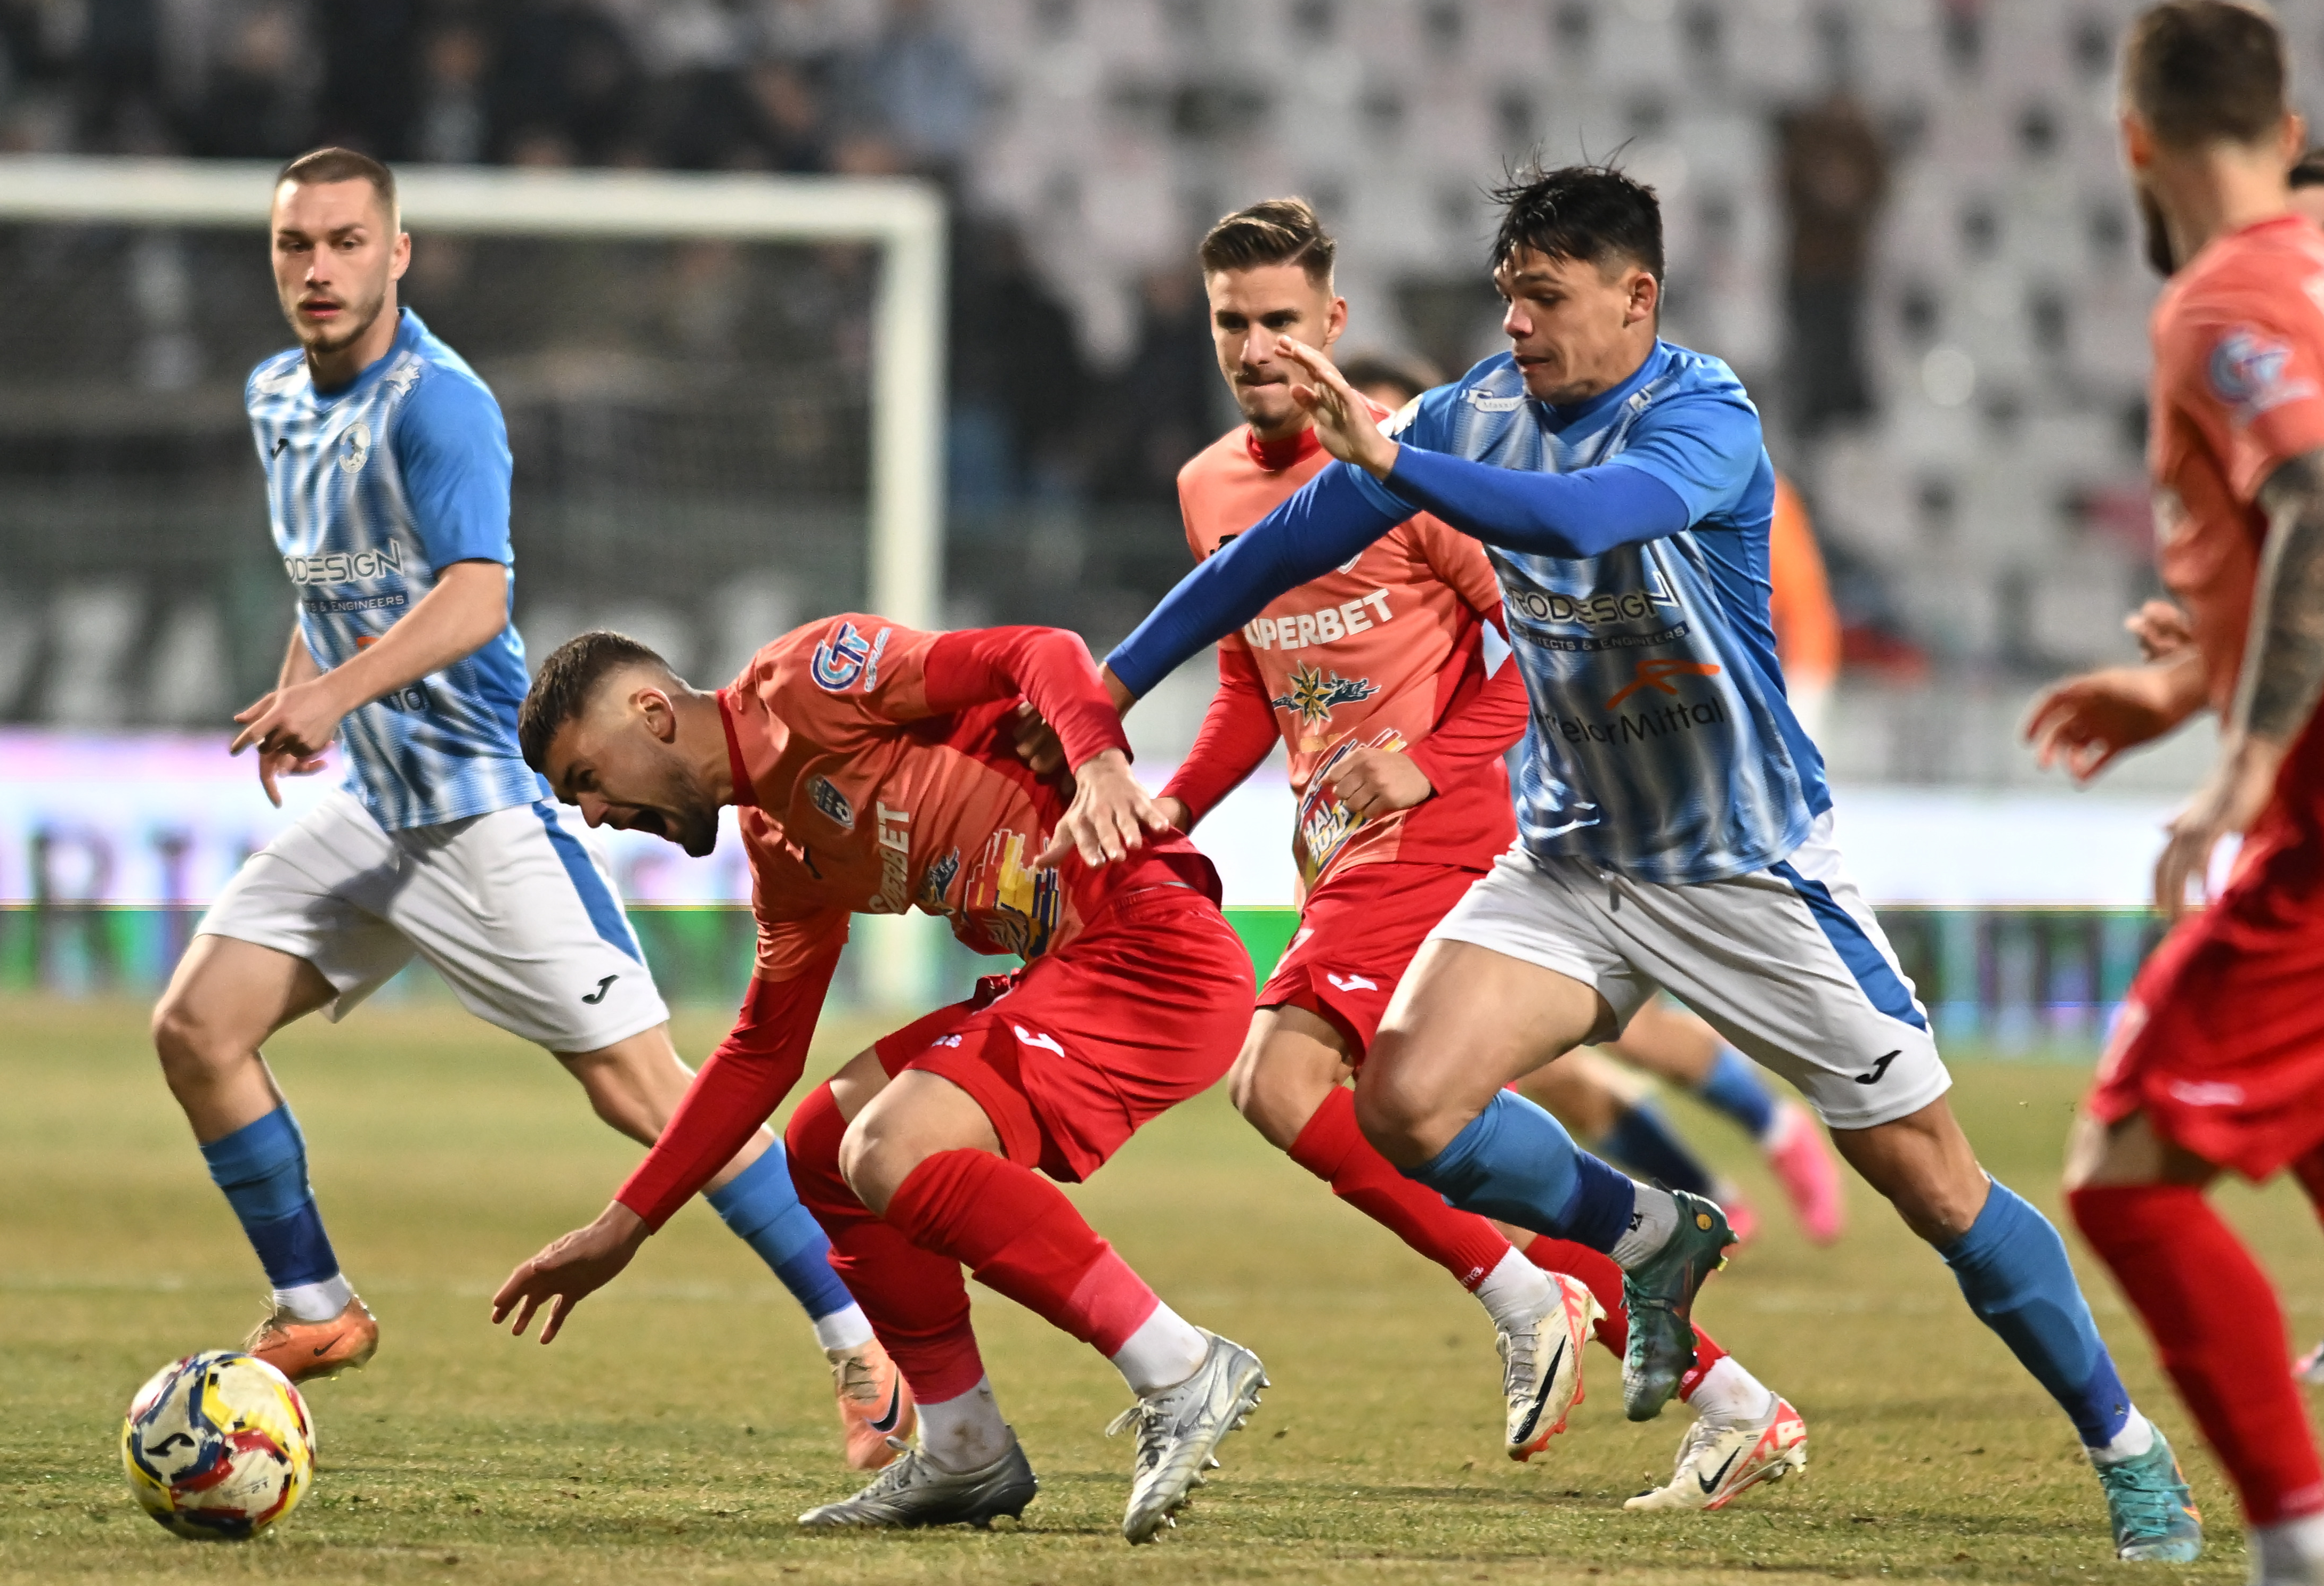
x=1787 y=963
x=515 y=912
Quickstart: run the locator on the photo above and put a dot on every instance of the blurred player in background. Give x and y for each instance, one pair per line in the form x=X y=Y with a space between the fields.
x=875 y=770
x=2217 y=1060
x=1615 y=1117
x=387 y=471
x=1373 y=678
x=1675 y=824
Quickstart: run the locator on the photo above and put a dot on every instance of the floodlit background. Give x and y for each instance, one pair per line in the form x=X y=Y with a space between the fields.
x=1902 y=221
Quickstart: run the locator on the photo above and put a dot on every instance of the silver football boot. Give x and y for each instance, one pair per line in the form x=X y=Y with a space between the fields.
x=1179 y=1429
x=914 y=1491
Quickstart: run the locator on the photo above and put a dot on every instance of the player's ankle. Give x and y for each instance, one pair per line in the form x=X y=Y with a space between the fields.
x=2136 y=1437
x=1727 y=1393
x=1515 y=1292
x=966 y=1431
x=1654 y=1218
x=1164 y=1351
x=314 y=1302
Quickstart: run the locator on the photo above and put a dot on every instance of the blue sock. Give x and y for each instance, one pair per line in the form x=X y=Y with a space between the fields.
x=1515 y=1162
x=1734 y=1088
x=1642 y=1142
x=2011 y=1267
x=763 y=1210
x=262 y=1166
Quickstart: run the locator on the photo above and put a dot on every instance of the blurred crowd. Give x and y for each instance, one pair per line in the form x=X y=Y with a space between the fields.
x=859 y=85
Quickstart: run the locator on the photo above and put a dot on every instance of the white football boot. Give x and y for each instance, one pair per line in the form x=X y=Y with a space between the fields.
x=1720 y=1459
x=1541 y=1365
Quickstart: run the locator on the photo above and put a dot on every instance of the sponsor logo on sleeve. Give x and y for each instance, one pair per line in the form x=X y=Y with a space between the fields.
x=845 y=657
x=2251 y=373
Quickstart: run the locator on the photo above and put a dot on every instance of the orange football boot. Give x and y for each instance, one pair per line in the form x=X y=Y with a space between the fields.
x=301 y=1351
x=875 y=1406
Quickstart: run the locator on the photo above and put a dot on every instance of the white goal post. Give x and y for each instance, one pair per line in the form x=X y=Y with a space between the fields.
x=904 y=218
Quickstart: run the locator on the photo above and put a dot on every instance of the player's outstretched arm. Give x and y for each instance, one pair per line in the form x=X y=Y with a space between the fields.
x=2276 y=692
x=1329 y=519
x=467 y=607
x=2082 y=725
x=749 y=1074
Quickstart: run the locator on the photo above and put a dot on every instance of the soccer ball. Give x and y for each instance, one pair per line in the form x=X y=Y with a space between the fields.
x=217 y=1446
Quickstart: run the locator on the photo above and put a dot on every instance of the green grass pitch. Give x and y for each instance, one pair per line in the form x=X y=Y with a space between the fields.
x=684 y=1419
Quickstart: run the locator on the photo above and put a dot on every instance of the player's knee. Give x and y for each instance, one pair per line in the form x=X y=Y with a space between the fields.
x=190 y=1044
x=1272 y=1097
x=1399 y=1122
x=873 y=1161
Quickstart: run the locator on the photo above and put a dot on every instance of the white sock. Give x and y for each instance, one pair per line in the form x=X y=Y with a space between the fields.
x=1654 y=1218
x=2287 y=1551
x=1516 y=1291
x=966 y=1432
x=1787 y=1115
x=1729 y=1394
x=2136 y=1436
x=1164 y=1351
x=847 y=1328
x=315 y=1302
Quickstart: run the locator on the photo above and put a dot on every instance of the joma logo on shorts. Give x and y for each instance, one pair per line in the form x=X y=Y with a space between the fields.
x=345 y=567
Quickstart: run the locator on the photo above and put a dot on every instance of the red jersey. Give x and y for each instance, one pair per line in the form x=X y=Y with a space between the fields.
x=1384 y=651
x=876 y=771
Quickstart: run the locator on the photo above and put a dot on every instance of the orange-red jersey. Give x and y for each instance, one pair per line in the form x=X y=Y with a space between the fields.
x=1799 y=595
x=1384 y=651
x=877 y=772
x=2238 y=391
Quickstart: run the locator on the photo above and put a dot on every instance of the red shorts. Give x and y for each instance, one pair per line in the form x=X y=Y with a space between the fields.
x=2221 y=1042
x=1357 y=933
x=1073 y=1053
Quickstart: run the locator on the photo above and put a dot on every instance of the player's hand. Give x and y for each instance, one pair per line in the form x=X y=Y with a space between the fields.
x=1343 y=421
x=1373 y=782
x=2229 y=800
x=1037 y=743
x=2083 y=722
x=1109 y=817
x=569 y=1271
x=2161 y=628
x=281 y=764
x=301 y=720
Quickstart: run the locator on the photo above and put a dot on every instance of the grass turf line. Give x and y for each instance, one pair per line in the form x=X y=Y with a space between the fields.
x=684 y=1419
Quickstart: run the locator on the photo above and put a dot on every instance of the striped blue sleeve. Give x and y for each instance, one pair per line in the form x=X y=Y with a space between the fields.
x=1585 y=514
x=452 y=449
x=1327 y=522
x=1705 y=446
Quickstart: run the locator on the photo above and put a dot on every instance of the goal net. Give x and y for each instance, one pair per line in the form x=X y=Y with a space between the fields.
x=724 y=396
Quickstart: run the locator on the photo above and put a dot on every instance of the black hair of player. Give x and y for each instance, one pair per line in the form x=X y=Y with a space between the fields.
x=317 y=167
x=2205 y=71
x=1592 y=213
x=569 y=680
x=2308 y=170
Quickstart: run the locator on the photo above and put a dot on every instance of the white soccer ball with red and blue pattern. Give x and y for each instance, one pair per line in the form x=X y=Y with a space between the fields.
x=218 y=1446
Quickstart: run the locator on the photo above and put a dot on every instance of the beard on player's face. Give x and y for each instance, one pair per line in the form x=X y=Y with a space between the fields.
x=354 y=316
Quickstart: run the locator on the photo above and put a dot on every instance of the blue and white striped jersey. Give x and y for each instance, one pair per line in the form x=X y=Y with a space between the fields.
x=374 y=489
x=1661 y=744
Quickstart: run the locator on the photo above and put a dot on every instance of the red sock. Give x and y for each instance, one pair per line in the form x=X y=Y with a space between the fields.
x=1605 y=1280
x=2216 y=1323
x=1022 y=1238
x=916 y=1301
x=1332 y=1149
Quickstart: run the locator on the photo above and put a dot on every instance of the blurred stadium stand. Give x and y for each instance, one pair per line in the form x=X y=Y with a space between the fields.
x=1901 y=220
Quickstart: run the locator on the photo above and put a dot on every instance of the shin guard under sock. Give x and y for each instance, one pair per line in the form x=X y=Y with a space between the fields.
x=2012 y=1269
x=760 y=1207
x=2219 y=1330
x=1021 y=1237
x=261 y=1168
x=1332 y=1149
x=916 y=1300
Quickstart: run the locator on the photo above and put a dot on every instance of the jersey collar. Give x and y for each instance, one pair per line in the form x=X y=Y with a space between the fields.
x=746 y=793
x=1276 y=456
x=408 y=332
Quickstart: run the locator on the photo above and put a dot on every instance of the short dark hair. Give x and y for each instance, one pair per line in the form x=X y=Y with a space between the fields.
x=1273 y=231
x=567 y=680
x=330 y=164
x=1413 y=374
x=2204 y=71
x=2308 y=170
x=1592 y=213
